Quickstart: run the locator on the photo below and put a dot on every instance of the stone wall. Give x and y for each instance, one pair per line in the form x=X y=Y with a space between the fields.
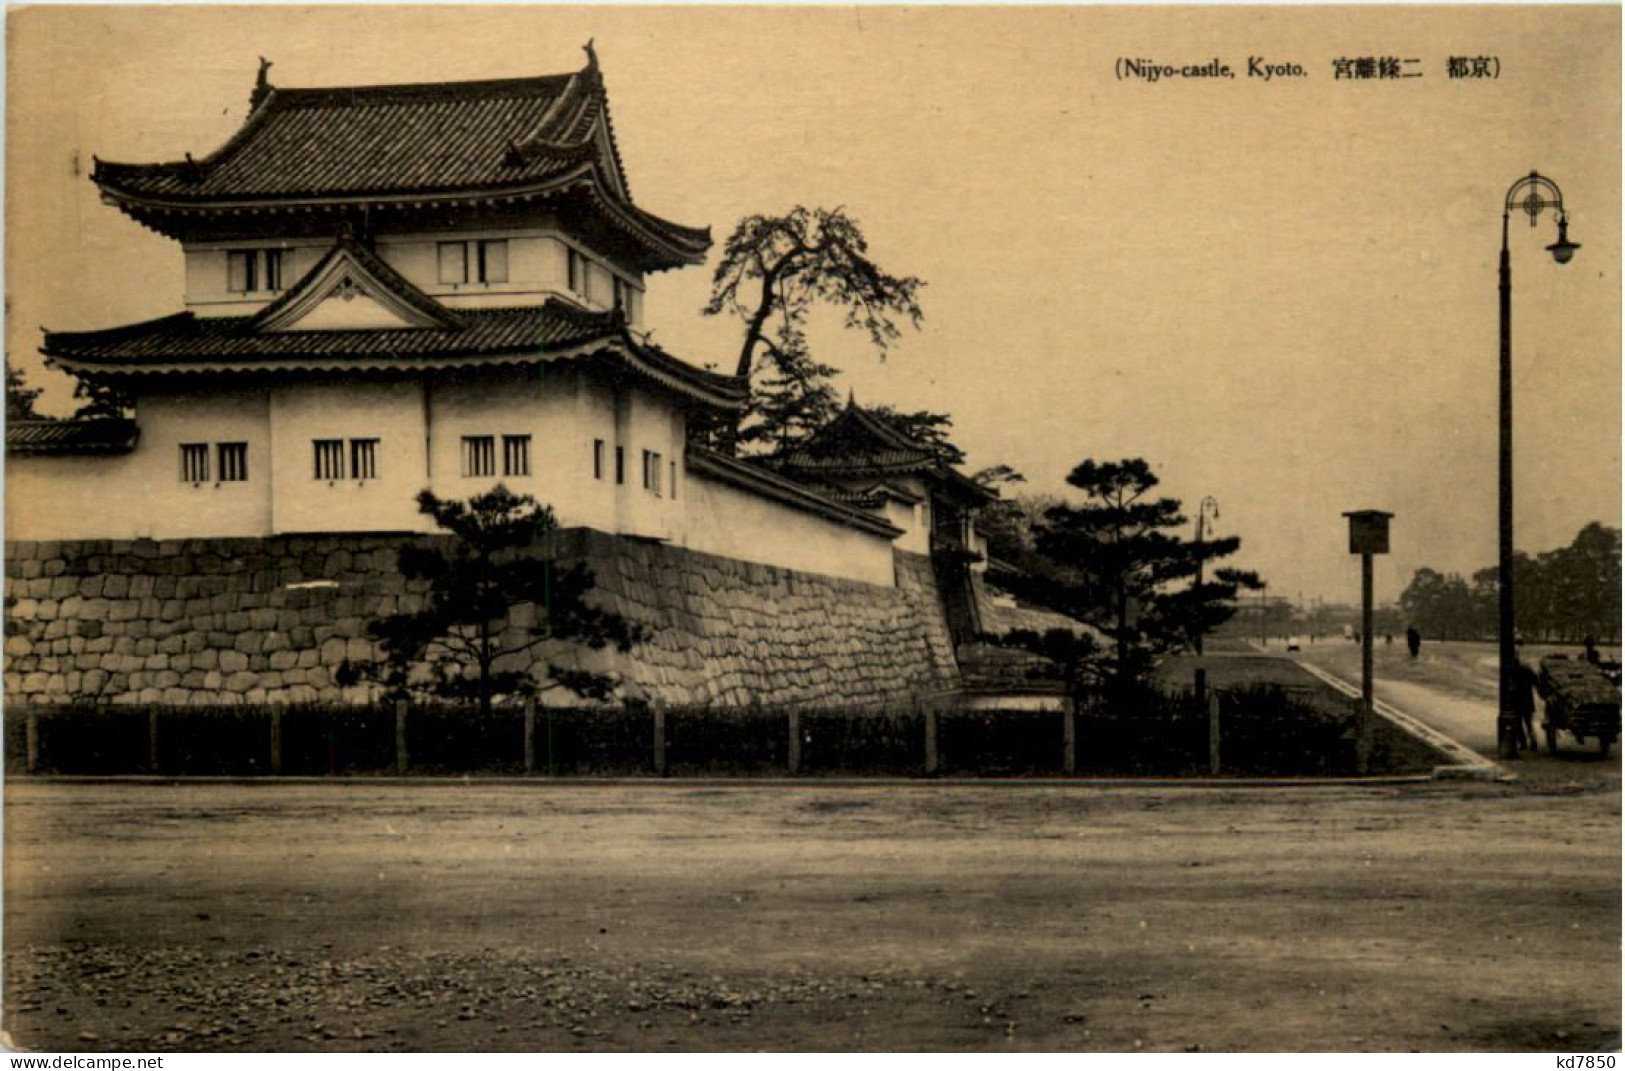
x=270 y=620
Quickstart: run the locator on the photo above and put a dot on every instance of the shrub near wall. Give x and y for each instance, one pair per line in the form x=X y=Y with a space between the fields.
x=1005 y=743
x=1265 y=732
x=845 y=742
x=749 y=740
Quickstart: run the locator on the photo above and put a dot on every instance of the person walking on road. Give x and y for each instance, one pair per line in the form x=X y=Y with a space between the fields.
x=1523 y=704
x=1413 y=640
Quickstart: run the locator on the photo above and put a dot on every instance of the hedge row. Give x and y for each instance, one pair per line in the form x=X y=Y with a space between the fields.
x=1265 y=731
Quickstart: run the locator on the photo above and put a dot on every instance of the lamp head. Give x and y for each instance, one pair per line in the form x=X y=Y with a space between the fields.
x=1562 y=250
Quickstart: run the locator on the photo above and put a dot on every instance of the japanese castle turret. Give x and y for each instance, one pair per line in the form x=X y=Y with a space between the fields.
x=392 y=288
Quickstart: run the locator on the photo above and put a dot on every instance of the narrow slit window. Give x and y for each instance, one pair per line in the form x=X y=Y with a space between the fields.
x=329 y=458
x=493 y=261
x=674 y=479
x=194 y=462
x=233 y=462
x=273 y=269
x=364 y=459
x=479 y=455
x=598 y=459
x=620 y=464
x=578 y=273
x=651 y=472
x=516 y=455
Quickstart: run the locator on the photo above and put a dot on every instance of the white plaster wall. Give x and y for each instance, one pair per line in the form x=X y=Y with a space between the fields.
x=206 y=293
x=722 y=519
x=542 y=405
x=596 y=501
x=389 y=411
x=74 y=498
x=537 y=267
x=649 y=424
x=141 y=494
x=912 y=519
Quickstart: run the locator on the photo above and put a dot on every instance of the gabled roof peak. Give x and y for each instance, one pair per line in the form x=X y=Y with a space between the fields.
x=347 y=270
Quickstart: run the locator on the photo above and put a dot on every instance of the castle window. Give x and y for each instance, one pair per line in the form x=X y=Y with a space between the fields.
x=479 y=455
x=194 y=462
x=580 y=276
x=674 y=479
x=483 y=261
x=364 y=459
x=233 y=462
x=516 y=455
x=598 y=459
x=651 y=471
x=493 y=261
x=252 y=270
x=329 y=458
x=620 y=464
x=454 y=262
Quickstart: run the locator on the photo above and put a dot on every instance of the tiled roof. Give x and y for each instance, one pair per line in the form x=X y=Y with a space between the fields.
x=108 y=435
x=753 y=477
x=557 y=330
x=501 y=138
x=858 y=444
x=859 y=438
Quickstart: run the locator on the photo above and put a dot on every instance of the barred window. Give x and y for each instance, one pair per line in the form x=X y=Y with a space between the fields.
x=329 y=458
x=598 y=459
x=516 y=455
x=364 y=459
x=195 y=462
x=233 y=462
x=479 y=455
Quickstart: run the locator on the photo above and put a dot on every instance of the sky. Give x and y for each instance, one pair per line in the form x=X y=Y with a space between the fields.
x=1280 y=293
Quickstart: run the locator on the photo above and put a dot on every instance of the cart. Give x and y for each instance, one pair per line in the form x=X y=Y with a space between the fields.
x=1580 y=700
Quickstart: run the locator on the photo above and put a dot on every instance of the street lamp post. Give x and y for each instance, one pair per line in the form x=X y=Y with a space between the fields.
x=1210 y=506
x=1532 y=194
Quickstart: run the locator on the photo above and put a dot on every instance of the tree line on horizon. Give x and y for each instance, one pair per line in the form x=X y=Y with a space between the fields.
x=1563 y=595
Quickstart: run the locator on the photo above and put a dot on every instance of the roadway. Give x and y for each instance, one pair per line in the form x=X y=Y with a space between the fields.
x=1452 y=687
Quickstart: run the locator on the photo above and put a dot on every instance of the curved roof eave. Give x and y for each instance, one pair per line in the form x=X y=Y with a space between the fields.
x=681 y=244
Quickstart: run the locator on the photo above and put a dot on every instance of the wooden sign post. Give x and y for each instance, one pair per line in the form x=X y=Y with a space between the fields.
x=1368 y=535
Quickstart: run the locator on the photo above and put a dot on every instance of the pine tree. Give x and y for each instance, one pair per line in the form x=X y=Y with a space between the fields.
x=1126 y=547
x=463 y=643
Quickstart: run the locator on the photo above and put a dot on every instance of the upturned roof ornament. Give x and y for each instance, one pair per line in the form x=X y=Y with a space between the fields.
x=262 y=85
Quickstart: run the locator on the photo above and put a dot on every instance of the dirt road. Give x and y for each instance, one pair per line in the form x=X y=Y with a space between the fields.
x=662 y=916
x=1452 y=687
